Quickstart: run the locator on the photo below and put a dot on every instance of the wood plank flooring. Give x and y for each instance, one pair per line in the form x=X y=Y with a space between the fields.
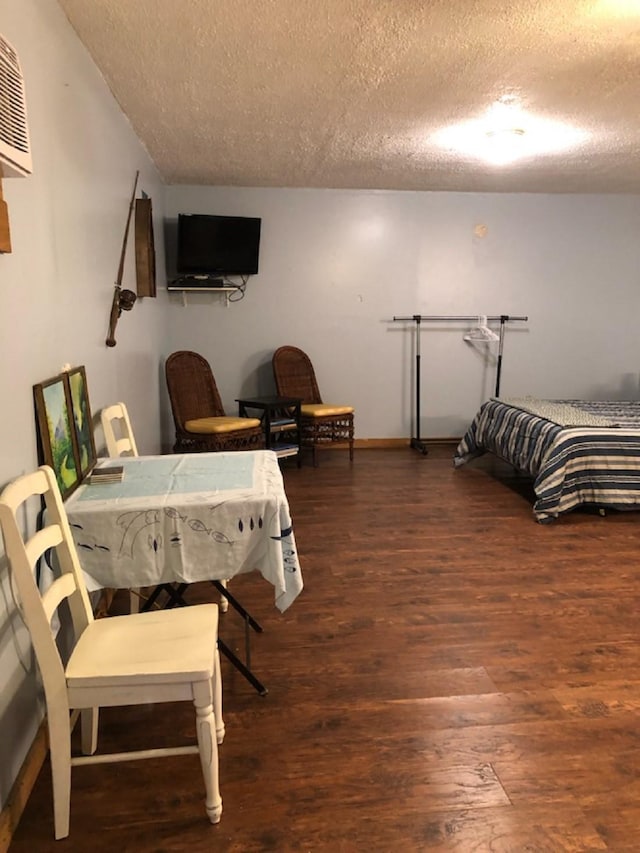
x=454 y=677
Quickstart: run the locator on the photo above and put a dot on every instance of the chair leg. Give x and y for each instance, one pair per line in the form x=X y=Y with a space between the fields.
x=134 y=600
x=208 y=748
x=223 y=604
x=89 y=730
x=217 y=697
x=60 y=755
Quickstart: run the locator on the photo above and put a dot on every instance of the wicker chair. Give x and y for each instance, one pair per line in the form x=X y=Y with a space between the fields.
x=200 y=421
x=321 y=424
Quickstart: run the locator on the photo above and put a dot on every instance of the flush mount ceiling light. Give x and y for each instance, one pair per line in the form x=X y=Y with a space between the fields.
x=506 y=133
x=616 y=8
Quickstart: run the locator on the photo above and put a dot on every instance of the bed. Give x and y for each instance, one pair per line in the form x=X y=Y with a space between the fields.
x=576 y=451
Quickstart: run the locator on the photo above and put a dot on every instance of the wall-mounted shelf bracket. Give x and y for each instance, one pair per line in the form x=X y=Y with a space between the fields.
x=220 y=291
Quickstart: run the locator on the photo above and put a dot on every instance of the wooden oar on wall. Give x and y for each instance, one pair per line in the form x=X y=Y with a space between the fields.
x=123 y=300
x=5 y=233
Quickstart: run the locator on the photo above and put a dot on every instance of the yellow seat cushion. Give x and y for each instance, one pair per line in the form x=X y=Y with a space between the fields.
x=323 y=410
x=221 y=424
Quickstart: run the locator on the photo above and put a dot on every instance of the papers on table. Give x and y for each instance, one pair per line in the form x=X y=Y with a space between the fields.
x=109 y=474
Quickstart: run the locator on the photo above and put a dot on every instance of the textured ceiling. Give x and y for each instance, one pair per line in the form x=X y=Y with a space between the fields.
x=348 y=93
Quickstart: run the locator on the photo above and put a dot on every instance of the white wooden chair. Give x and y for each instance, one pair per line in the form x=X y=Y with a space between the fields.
x=141 y=658
x=116 y=418
x=118 y=434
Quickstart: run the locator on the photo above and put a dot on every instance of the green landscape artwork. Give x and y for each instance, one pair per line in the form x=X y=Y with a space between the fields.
x=82 y=419
x=59 y=454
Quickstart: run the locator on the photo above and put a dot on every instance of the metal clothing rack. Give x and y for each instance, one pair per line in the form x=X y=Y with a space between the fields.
x=416 y=442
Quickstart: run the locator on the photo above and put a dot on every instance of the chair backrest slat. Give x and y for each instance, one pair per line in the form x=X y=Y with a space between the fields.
x=125 y=443
x=41 y=541
x=22 y=554
x=62 y=587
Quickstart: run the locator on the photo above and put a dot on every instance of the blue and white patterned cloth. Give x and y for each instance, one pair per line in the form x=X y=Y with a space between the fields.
x=578 y=452
x=187 y=518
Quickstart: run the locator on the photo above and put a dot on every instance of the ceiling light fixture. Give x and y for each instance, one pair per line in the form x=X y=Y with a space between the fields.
x=506 y=133
x=615 y=8
x=504 y=145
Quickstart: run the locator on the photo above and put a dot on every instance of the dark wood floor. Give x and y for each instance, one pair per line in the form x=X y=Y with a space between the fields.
x=453 y=677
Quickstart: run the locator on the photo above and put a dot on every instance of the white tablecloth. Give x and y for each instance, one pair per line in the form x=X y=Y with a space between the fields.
x=186 y=518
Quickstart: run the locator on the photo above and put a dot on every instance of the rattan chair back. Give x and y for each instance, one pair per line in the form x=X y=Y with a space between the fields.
x=192 y=388
x=194 y=395
x=294 y=375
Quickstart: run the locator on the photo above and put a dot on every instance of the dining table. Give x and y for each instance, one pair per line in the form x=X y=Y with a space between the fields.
x=182 y=518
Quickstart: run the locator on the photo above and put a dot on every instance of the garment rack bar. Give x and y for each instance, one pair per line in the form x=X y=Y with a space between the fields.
x=416 y=442
x=504 y=318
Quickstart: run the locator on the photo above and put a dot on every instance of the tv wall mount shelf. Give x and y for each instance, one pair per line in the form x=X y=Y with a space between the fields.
x=189 y=284
x=197 y=282
x=418 y=443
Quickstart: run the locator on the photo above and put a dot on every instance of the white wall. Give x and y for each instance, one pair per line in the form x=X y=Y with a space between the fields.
x=336 y=266
x=67 y=225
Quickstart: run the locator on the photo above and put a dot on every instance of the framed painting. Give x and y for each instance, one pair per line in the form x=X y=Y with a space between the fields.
x=81 y=420
x=56 y=433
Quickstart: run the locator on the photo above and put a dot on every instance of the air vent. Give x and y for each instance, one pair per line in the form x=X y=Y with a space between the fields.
x=15 y=152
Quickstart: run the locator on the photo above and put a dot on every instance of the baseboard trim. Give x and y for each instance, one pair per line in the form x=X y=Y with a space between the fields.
x=380 y=443
x=22 y=787
x=390 y=443
x=387 y=443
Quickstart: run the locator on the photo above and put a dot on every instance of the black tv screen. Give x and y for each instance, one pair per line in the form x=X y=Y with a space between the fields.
x=217 y=245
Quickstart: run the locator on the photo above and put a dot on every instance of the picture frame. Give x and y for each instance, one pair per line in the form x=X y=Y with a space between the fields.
x=81 y=420
x=56 y=432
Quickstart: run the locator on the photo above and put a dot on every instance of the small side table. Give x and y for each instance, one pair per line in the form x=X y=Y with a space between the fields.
x=280 y=419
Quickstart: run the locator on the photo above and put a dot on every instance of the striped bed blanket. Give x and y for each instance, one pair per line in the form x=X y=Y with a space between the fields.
x=578 y=452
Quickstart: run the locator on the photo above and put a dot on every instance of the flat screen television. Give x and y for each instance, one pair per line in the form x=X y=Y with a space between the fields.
x=217 y=245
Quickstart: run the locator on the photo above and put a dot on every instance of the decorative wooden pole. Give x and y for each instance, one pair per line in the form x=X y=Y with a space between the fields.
x=123 y=300
x=5 y=233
